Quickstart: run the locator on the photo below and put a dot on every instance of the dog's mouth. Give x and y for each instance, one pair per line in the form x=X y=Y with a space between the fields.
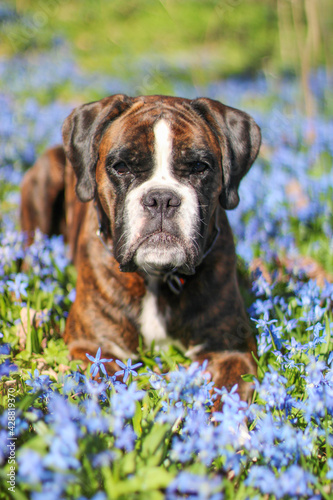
x=159 y=253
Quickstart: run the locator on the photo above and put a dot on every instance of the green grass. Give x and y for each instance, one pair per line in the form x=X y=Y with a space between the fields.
x=204 y=39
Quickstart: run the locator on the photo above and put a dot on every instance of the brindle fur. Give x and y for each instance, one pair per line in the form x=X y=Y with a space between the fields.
x=208 y=316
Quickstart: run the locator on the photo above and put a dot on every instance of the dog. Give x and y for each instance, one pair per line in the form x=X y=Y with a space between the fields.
x=139 y=189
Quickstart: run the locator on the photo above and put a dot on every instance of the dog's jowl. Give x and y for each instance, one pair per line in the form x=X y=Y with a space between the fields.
x=139 y=189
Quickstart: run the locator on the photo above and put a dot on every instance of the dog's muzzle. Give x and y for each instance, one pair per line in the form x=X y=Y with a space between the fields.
x=160 y=246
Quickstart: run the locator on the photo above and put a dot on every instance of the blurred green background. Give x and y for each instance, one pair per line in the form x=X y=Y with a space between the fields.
x=211 y=38
x=198 y=41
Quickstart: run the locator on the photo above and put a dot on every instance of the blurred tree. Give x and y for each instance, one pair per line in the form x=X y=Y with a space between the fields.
x=303 y=35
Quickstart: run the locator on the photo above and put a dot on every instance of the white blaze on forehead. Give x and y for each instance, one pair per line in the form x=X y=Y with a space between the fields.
x=163 y=150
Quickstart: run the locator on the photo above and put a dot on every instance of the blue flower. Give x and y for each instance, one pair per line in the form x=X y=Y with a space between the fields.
x=99 y=496
x=72 y=294
x=196 y=487
x=103 y=458
x=19 y=285
x=329 y=474
x=63 y=416
x=190 y=386
x=315 y=372
x=98 y=363
x=61 y=455
x=270 y=334
x=58 y=251
x=93 y=418
x=21 y=423
x=5 y=349
x=327 y=292
x=295 y=481
x=263 y=478
x=39 y=383
x=294 y=347
x=128 y=369
x=123 y=403
x=273 y=390
x=157 y=382
x=126 y=439
x=53 y=487
x=6 y=367
x=290 y=324
x=95 y=389
x=317 y=338
x=4 y=450
x=260 y=285
x=31 y=468
x=264 y=322
x=262 y=307
x=330 y=358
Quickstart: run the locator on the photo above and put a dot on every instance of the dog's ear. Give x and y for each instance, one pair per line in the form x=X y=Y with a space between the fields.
x=82 y=133
x=239 y=138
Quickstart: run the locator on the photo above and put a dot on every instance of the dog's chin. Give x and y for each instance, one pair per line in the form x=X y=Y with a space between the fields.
x=160 y=253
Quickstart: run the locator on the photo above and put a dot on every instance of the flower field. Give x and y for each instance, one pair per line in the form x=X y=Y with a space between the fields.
x=148 y=432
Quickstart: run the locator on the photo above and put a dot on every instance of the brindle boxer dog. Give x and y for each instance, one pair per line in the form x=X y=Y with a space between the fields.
x=147 y=228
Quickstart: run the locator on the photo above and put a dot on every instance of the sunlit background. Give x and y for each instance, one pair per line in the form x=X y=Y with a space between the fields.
x=153 y=44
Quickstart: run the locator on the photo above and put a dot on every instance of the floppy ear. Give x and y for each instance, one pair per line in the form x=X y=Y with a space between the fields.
x=82 y=133
x=239 y=138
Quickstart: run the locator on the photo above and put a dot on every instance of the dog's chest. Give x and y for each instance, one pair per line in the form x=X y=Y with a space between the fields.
x=152 y=322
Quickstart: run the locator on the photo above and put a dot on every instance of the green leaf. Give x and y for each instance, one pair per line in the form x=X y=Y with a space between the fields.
x=248 y=377
x=154 y=477
x=137 y=419
x=27 y=401
x=36 y=443
x=18 y=494
x=152 y=449
x=151 y=495
x=28 y=344
x=259 y=363
x=147 y=479
x=41 y=428
x=56 y=352
x=109 y=483
x=128 y=463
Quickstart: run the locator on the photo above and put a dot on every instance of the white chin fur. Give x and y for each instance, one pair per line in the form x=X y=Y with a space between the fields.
x=159 y=258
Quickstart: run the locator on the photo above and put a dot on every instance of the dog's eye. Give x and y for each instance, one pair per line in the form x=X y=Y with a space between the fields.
x=121 y=168
x=198 y=167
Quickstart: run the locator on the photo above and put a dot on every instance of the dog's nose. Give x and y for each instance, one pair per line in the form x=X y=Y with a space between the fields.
x=161 y=202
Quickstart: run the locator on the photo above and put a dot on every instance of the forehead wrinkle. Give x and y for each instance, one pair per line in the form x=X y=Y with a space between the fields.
x=194 y=137
x=144 y=116
x=151 y=112
x=120 y=138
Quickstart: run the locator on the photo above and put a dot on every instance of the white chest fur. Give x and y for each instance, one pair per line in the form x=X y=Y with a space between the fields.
x=152 y=322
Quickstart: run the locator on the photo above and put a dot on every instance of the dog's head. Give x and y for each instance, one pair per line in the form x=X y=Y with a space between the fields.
x=159 y=167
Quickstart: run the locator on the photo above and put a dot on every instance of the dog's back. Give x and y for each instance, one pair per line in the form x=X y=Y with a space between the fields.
x=49 y=202
x=42 y=195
